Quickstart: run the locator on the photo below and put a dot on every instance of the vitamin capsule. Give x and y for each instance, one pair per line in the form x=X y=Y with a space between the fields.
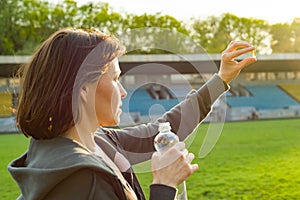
x=254 y=53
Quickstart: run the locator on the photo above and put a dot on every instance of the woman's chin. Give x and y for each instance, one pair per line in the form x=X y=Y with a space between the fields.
x=112 y=123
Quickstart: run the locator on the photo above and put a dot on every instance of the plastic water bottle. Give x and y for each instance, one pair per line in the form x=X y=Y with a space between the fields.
x=164 y=140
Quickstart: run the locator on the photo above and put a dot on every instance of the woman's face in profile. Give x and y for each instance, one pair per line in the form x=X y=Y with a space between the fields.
x=108 y=95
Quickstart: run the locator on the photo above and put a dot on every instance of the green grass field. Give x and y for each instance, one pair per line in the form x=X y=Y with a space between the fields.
x=11 y=146
x=252 y=160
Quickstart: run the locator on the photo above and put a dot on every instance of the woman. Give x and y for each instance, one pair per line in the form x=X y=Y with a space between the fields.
x=70 y=90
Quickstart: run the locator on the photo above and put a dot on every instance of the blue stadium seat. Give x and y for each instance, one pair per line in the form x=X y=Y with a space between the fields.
x=140 y=101
x=263 y=97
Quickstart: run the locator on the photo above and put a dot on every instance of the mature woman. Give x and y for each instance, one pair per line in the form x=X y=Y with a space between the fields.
x=70 y=91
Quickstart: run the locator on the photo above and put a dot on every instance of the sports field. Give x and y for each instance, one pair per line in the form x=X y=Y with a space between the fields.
x=252 y=160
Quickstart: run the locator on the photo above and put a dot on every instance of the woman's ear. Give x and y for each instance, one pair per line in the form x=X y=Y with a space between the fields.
x=84 y=93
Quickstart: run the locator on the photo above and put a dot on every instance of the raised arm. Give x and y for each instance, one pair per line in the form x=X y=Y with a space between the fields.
x=138 y=141
x=184 y=117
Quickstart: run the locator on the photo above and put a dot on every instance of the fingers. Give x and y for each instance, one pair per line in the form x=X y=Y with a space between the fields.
x=230 y=55
x=169 y=157
x=179 y=146
x=187 y=167
x=247 y=61
x=173 y=166
x=236 y=49
x=239 y=52
x=194 y=168
x=178 y=155
x=190 y=157
x=234 y=45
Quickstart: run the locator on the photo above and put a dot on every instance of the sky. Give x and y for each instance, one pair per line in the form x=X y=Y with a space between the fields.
x=273 y=11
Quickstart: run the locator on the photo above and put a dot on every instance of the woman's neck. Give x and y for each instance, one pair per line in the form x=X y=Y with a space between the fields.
x=72 y=134
x=82 y=134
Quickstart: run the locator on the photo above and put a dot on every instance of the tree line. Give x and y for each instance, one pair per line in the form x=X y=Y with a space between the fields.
x=25 y=24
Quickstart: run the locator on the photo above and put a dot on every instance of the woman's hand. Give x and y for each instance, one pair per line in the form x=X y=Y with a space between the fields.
x=173 y=166
x=229 y=68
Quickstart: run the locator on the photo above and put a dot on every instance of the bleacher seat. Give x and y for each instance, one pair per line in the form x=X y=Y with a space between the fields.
x=263 y=97
x=292 y=89
x=140 y=101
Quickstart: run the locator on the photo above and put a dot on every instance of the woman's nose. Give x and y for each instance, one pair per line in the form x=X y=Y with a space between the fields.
x=123 y=91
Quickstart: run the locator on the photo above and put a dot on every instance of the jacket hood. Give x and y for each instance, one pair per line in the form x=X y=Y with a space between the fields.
x=52 y=161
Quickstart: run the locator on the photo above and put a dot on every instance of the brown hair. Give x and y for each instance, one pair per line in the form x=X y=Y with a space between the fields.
x=47 y=85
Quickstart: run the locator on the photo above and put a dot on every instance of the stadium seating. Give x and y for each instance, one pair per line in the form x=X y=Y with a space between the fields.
x=264 y=100
x=292 y=89
x=263 y=97
x=140 y=101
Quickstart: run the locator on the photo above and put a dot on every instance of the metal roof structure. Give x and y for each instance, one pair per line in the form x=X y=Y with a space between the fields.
x=185 y=63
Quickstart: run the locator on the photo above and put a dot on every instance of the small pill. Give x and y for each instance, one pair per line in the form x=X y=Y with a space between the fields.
x=254 y=53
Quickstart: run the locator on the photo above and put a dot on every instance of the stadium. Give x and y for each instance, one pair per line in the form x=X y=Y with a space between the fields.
x=257 y=156
x=266 y=90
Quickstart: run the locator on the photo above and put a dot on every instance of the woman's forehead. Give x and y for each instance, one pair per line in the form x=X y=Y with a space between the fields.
x=115 y=68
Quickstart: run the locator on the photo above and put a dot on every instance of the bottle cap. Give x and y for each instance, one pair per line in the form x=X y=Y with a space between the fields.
x=165 y=126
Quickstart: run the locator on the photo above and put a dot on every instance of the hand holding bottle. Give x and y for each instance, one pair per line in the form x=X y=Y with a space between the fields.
x=171 y=165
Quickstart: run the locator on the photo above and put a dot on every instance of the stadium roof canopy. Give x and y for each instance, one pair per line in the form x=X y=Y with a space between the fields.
x=186 y=63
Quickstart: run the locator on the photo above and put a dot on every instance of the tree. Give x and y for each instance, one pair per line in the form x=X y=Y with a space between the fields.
x=10 y=33
x=282 y=38
x=156 y=34
x=101 y=16
x=295 y=29
x=215 y=33
x=25 y=24
x=205 y=32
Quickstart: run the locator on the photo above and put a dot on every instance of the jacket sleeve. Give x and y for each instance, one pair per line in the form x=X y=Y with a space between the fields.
x=162 y=192
x=88 y=184
x=138 y=141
